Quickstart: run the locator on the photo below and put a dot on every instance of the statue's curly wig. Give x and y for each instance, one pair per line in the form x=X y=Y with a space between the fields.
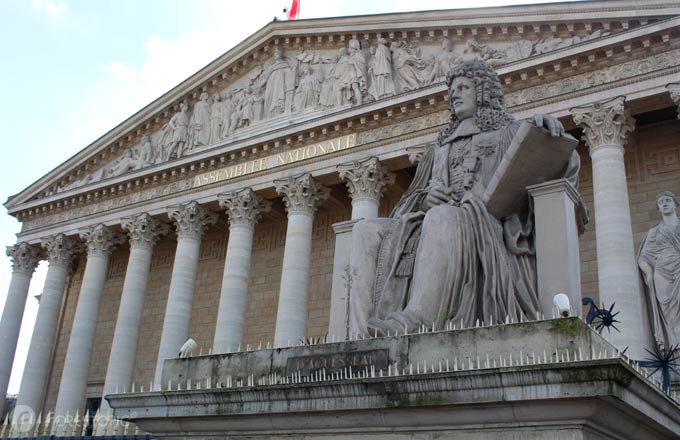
x=491 y=111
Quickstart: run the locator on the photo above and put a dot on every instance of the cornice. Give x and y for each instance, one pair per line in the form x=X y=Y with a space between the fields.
x=462 y=24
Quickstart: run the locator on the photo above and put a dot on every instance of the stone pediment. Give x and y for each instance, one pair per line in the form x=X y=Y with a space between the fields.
x=292 y=83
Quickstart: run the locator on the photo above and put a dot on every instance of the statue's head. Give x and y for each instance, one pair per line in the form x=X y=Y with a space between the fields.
x=476 y=79
x=354 y=45
x=666 y=202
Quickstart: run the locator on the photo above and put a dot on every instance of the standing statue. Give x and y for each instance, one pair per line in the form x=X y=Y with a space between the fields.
x=199 y=133
x=308 y=89
x=659 y=262
x=228 y=108
x=355 y=85
x=443 y=61
x=407 y=67
x=216 y=119
x=380 y=71
x=442 y=256
x=279 y=86
x=175 y=134
x=250 y=108
x=332 y=89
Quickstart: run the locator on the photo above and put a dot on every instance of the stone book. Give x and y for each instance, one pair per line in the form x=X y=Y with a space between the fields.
x=533 y=157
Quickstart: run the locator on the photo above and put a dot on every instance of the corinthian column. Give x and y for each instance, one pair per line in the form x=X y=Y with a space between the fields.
x=605 y=125
x=674 y=90
x=191 y=221
x=244 y=208
x=301 y=195
x=60 y=252
x=25 y=259
x=144 y=231
x=366 y=182
x=101 y=240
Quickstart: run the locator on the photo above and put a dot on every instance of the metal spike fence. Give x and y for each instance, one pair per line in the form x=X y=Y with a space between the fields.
x=70 y=427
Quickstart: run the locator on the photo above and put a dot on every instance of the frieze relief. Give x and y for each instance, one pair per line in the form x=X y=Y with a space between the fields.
x=595 y=78
x=294 y=84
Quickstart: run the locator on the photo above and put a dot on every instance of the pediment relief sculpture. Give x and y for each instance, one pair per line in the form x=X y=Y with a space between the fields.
x=298 y=83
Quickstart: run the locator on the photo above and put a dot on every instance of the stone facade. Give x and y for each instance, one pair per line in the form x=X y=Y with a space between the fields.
x=282 y=130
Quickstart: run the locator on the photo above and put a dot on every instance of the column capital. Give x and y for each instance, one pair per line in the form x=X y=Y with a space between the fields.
x=101 y=240
x=366 y=179
x=144 y=230
x=25 y=258
x=244 y=207
x=60 y=249
x=301 y=194
x=604 y=123
x=191 y=219
x=674 y=90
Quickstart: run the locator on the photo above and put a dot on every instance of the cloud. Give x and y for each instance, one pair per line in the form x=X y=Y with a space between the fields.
x=167 y=62
x=55 y=9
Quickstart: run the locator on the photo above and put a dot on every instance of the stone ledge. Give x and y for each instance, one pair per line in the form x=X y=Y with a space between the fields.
x=598 y=396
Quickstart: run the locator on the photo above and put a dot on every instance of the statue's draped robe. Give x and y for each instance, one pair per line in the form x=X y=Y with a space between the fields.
x=279 y=83
x=661 y=250
x=451 y=262
x=382 y=84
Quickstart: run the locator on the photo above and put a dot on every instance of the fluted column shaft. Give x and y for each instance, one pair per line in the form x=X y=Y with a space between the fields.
x=25 y=259
x=191 y=221
x=366 y=182
x=144 y=232
x=60 y=251
x=301 y=196
x=605 y=127
x=244 y=208
x=101 y=241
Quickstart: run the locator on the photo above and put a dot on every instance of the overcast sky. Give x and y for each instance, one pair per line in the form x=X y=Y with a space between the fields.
x=73 y=70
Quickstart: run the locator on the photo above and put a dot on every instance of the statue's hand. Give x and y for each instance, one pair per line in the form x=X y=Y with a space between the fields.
x=437 y=195
x=554 y=126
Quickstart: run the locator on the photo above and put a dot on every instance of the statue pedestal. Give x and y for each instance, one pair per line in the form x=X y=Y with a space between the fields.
x=337 y=326
x=557 y=255
x=554 y=379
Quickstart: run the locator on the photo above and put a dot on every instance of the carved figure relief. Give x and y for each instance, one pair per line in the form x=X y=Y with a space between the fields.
x=308 y=89
x=380 y=71
x=409 y=68
x=199 y=134
x=216 y=120
x=443 y=61
x=278 y=80
x=659 y=263
x=175 y=134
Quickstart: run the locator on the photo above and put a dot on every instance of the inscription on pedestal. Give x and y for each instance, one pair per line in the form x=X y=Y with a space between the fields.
x=331 y=363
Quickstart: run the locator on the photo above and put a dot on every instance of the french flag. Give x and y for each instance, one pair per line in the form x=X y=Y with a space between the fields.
x=294 y=11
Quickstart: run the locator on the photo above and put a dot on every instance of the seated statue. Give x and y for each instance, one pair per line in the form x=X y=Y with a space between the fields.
x=659 y=262
x=442 y=256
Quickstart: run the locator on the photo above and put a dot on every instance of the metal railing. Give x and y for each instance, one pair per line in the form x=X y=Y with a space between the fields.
x=70 y=427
